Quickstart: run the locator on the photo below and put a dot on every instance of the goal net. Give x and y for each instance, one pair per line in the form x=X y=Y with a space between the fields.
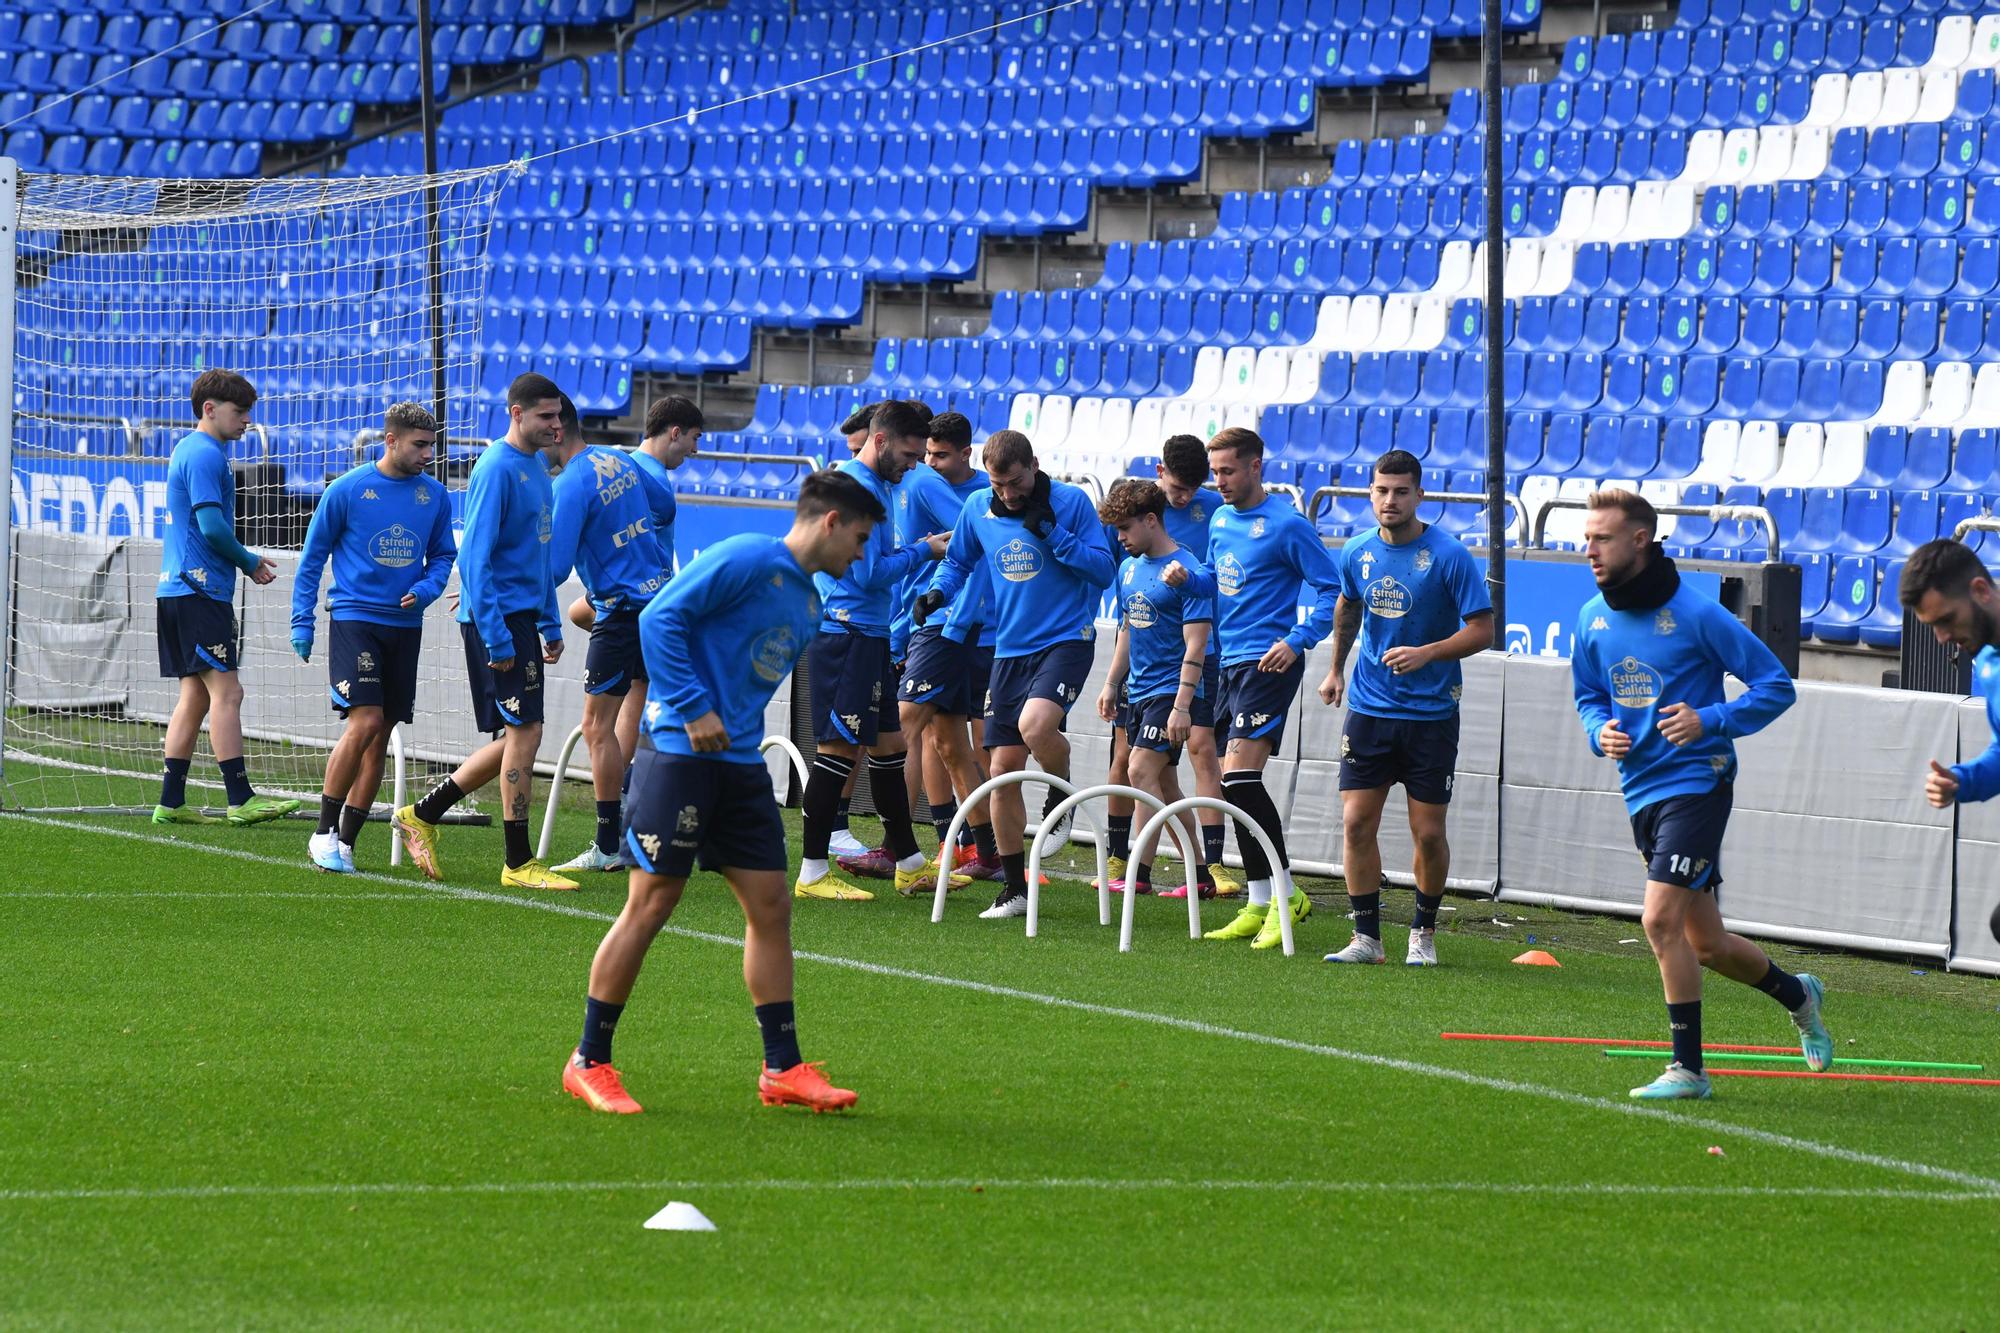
x=336 y=298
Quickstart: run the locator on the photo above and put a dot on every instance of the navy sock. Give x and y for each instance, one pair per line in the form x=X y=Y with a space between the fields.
x=174 y=784
x=329 y=813
x=517 y=842
x=892 y=804
x=1118 y=835
x=1426 y=917
x=437 y=803
x=1212 y=836
x=607 y=827
x=352 y=820
x=840 y=813
x=1203 y=876
x=823 y=783
x=1245 y=790
x=1014 y=866
x=942 y=813
x=982 y=838
x=600 y=1021
x=1783 y=987
x=781 y=1036
x=1684 y=1022
x=235 y=780
x=1367 y=913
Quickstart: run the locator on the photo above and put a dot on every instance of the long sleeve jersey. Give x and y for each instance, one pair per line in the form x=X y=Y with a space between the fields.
x=1630 y=665
x=1044 y=590
x=1261 y=558
x=1980 y=779
x=721 y=638
x=386 y=537
x=863 y=600
x=604 y=530
x=503 y=557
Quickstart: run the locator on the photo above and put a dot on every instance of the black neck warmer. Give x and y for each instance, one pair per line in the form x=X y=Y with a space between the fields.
x=1653 y=586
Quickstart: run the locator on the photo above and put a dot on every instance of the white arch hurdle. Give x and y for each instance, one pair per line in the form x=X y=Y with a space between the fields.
x=1281 y=885
x=770 y=743
x=569 y=745
x=1071 y=802
x=986 y=789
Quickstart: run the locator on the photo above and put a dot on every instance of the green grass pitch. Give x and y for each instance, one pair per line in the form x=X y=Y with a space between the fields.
x=240 y=1092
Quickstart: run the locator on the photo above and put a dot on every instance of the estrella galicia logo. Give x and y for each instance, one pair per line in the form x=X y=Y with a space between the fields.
x=1139 y=613
x=1229 y=575
x=394 y=547
x=1388 y=598
x=1019 y=561
x=545 y=526
x=1634 y=684
x=771 y=657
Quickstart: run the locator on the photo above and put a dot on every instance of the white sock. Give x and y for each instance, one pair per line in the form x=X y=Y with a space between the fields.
x=914 y=861
x=810 y=870
x=1260 y=892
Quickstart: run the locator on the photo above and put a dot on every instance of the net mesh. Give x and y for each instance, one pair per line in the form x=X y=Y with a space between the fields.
x=321 y=293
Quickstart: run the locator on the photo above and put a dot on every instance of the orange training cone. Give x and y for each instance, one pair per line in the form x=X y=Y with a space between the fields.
x=1536 y=958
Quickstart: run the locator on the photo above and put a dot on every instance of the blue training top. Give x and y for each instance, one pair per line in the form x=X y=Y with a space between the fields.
x=925 y=503
x=1410 y=595
x=661 y=500
x=604 y=528
x=503 y=556
x=1260 y=557
x=1188 y=524
x=721 y=638
x=1044 y=590
x=863 y=599
x=1631 y=665
x=1980 y=779
x=387 y=537
x=1155 y=615
x=198 y=475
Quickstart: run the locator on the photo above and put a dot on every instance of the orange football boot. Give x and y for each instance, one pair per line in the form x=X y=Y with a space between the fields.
x=599 y=1088
x=802 y=1085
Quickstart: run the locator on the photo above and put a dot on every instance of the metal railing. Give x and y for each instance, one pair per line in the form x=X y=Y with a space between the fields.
x=1978 y=523
x=1090 y=481
x=1742 y=513
x=1325 y=495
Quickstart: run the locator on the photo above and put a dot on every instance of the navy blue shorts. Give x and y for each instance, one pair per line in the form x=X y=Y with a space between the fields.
x=374 y=666
x=1377 y=752
x=510 y=698
x=1680 y=838
x=1056 y=672
x=1211 y=691
x=950 y=677
x=853 y=681
x=195 y=634
x=1254 y=704
x=1146 y=726
x=613 y=661
x=681 y=809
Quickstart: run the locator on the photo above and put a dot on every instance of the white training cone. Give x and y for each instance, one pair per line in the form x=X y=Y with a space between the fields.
x=679 y=1217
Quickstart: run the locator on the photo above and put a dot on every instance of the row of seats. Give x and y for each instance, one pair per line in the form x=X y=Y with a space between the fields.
x=97 y=118
x=1761 y=47
x=196 y=159
x=561 y=13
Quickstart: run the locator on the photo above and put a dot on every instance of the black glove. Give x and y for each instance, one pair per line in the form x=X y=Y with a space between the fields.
x=928 y=602
x=1039 y=515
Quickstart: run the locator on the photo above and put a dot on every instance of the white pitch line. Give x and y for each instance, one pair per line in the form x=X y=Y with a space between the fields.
x=142 y=895
x=1812 y=1147
x=1581 y=1189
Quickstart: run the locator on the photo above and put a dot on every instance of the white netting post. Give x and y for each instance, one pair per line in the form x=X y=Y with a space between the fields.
x=319 y=292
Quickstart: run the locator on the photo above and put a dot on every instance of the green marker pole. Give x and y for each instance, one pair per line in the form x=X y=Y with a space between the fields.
x=1838 y=1061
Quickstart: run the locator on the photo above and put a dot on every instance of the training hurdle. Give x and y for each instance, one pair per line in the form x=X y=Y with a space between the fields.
x=1281 y=876
x=982 y=792
x=1071 y=802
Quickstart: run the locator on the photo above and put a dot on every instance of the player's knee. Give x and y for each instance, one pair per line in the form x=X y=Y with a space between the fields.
x=368 y=727
x=1431 y=844
x=1358 y=825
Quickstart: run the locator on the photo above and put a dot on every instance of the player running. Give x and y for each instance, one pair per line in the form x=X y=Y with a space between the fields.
x=386 y=526
x=1263 y=552
x=1044 y=552
x=1415 y=599
x=508 y=621
x=1166 y=601
x=604 y=530
x=949 y=659
x=718 y=643
x=853 y=675
x=1648 y=668
x=1945 y=586
x=195 y=616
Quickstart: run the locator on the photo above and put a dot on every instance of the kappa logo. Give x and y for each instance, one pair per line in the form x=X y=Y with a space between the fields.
x=1599 y=623
x=1457 y=693
x=1346 y=745
x=653 y=711
x=852 y=721
x=341 y=687
x=369 y=494
x=1259 y=719
x=608 y=467
x=840 y=614
x=512 y=704
x=199 y=575
x=922 y=687
x=777 y=580
x=689 y=821
x=651 y=843
x=364 y=661
x=219 y=651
